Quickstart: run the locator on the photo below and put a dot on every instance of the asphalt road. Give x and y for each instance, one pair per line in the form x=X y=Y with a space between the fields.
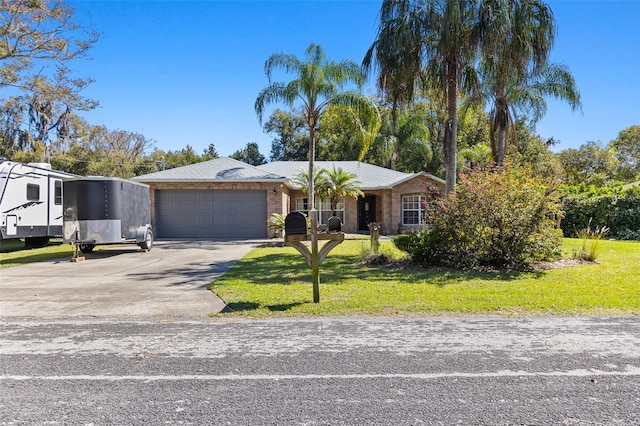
x=353 y=371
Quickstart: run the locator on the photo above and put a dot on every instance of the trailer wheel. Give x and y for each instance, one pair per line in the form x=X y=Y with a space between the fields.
x=148 y=240
x=86 y=248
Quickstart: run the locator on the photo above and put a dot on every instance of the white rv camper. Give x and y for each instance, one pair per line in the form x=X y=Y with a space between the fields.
x=30 y=202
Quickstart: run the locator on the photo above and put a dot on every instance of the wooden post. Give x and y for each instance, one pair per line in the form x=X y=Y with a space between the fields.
x=313 y=213
x=315 y=257
x=76 y=255
x=374 y=230
x=315 y=264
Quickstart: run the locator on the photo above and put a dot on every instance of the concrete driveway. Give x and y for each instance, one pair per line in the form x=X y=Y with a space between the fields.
x=169 y=280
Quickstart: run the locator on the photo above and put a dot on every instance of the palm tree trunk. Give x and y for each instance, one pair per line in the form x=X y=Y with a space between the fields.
x=451 y=133
x=501 y=127
x=502 y=143
x=392 y=161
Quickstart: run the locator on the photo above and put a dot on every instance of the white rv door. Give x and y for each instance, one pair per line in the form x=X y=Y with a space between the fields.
x=55 y=204
x=12 y=225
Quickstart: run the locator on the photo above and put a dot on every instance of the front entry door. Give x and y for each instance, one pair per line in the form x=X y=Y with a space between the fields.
x=366 y=212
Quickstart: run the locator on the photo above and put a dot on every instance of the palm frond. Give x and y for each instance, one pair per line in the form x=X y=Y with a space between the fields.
x=275 y=92
x=286 y=62
x=556 y=80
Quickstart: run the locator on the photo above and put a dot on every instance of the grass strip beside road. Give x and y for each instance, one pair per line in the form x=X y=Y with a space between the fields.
x=276 y=281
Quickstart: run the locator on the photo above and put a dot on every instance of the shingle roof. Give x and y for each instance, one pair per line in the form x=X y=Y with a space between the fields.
x=370 y=176
x=219 y=169
x=229 y=170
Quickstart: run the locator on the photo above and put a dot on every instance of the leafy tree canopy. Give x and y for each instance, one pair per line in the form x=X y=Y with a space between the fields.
x=626 y=149
x=290 y=142
x=590 y=163
x=210 y=152
x=530 y=150
x=250 y=155
x=38 y=42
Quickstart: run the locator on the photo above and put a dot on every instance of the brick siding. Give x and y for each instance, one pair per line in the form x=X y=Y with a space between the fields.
x=388 y=204
x=283 y=200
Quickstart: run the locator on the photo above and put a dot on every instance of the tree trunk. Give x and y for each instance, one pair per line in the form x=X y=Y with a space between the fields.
x=502 y=143
x=451 y=134
x=392 y=161
x=501 y=126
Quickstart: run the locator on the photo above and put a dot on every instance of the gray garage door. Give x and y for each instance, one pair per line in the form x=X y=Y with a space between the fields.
x=211 y=214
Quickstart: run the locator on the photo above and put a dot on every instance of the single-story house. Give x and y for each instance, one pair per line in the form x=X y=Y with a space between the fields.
x=225 y=198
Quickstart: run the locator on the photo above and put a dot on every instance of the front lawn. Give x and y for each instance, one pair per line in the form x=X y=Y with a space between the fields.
x=13 y=253
x=277 y=281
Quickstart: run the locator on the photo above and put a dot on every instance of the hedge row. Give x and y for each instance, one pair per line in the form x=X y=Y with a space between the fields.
x=616 y=208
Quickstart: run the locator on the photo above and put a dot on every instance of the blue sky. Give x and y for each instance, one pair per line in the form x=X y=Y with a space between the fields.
x=186 y=72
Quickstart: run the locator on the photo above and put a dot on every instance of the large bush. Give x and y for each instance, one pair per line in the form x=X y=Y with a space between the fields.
x=500 y=219
x=614 y=207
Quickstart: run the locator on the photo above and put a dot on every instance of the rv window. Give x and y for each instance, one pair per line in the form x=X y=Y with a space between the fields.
x=58 y=193
x=33 y=192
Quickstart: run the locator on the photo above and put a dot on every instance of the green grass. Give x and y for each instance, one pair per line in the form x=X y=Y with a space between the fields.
x=13 y=253
x=277 y=281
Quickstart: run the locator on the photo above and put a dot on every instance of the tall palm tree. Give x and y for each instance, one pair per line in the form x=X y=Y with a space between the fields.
x=517 y=76
x=436 y=44
x=528 y=96
x=339 y=184
x=317 y=84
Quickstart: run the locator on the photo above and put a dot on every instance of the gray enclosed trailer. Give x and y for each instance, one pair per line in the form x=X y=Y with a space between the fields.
x=106 y=210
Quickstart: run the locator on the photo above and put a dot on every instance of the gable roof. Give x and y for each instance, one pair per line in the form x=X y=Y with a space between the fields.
x=370 y=176
x=227 y=169
x=219 y=169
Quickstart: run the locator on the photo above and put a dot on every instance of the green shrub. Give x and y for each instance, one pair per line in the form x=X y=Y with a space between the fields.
x=500 y=219
x=613 y=207
x=276 y=223
x=423 y=247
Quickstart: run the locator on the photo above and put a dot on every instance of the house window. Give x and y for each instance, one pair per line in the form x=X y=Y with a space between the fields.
x=323 y=205
x=413 y=210
x=58 y=193
x=302 y=205
x=33 y=192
